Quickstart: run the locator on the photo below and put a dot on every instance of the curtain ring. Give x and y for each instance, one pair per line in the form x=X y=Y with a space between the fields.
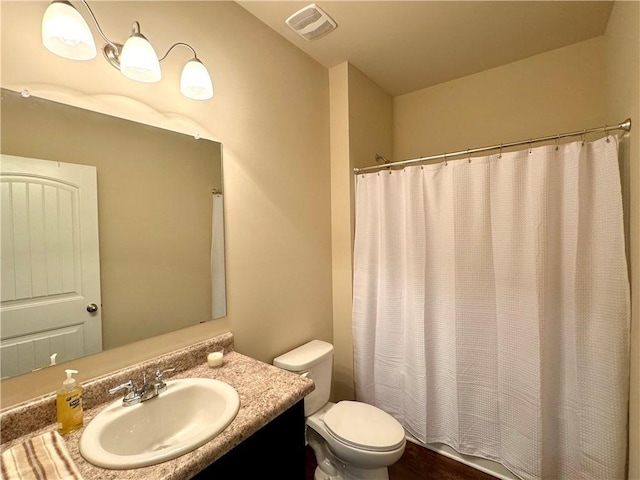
x=500 y=155
x=445 y=160
x=583 y=136
x=469 y=154
x=557 y=141
x=604 y=129
x=530 y=140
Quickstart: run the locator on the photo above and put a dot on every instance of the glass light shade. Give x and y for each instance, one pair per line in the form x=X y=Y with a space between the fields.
x=66 y=33
x=195 y=82
x=138 y=60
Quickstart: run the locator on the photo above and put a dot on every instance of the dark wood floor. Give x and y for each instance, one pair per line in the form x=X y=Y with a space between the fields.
x=419 y=463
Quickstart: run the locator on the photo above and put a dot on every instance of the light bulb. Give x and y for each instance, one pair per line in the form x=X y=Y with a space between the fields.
x=195 y=82
x=66 y=33
x=138 y=60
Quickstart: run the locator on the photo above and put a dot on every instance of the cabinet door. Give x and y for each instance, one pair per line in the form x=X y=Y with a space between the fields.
x=277 y=450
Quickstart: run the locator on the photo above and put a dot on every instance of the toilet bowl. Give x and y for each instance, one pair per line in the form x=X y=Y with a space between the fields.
x=359 y=450
x=351 y=440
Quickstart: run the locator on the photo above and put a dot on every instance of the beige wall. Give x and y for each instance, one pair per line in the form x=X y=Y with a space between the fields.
x=557 y=91
x=361 y=126
x=341 y=233
x=370 y=120
x=271 y=113
x=622 y=60
x=154 y=210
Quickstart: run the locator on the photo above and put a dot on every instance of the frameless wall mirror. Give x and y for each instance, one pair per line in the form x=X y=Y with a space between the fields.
x=112 y=232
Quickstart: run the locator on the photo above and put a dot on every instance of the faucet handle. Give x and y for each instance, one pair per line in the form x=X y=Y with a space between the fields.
x=131 y=397
x=129 y=386
x=160 y=373
x=158 y=385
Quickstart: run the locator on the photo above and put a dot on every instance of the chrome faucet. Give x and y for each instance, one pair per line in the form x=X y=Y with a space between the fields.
x=147 y=392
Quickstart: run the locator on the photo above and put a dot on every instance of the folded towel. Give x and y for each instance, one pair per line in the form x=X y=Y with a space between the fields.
x=44 y=457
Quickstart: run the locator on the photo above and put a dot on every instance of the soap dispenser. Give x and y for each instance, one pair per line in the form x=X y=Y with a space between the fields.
x=69 y=404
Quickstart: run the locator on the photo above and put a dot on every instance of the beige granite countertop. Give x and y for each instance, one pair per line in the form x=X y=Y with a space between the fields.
x=265 y=392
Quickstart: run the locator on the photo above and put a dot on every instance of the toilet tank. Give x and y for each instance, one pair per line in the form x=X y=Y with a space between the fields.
x=315 y=359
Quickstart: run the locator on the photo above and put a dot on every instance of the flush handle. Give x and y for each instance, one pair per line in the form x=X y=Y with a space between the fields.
x=92 y=308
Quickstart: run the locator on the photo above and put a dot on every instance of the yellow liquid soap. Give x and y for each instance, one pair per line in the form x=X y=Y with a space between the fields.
x=69 y=405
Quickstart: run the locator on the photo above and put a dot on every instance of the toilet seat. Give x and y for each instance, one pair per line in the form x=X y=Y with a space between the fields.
x=364 y=426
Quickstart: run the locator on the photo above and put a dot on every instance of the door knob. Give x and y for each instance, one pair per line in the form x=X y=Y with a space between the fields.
x=92 y=308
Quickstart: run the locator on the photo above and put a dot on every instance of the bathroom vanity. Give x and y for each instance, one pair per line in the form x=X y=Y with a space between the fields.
x=267 y=432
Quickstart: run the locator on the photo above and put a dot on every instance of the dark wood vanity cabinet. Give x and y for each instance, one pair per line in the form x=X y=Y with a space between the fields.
x=277 y=450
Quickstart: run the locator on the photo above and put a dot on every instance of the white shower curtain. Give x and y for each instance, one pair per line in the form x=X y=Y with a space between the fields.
x=491 y=307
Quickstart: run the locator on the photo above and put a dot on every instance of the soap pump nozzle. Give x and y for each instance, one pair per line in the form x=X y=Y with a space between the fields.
x=70 y=382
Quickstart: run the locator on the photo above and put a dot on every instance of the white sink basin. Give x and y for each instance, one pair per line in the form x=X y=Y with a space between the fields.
x=187 y=415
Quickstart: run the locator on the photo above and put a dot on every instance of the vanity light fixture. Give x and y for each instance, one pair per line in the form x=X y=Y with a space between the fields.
x=66 y=33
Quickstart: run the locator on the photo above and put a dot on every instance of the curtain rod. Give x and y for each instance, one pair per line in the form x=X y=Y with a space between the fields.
x=626 y=126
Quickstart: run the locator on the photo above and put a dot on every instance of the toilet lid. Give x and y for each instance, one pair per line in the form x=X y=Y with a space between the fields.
x=364 y=426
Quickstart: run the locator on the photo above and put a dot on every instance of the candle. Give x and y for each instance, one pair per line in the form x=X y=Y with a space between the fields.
x=214 y=359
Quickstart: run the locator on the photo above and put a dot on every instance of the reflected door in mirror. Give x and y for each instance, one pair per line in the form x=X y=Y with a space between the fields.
x=50 y=263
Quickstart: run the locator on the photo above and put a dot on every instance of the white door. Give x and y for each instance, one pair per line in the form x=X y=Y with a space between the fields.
x=50 y=270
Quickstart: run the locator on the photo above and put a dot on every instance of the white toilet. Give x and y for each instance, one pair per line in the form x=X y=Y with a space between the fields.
x=351 y=440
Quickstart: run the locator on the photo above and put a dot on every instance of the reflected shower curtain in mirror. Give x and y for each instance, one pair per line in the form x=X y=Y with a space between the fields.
x=218 y=285
x=491 y=307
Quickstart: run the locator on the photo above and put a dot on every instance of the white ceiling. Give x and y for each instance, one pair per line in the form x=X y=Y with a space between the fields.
x=405 y=46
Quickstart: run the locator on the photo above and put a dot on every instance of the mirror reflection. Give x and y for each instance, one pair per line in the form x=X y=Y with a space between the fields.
x=159 y=232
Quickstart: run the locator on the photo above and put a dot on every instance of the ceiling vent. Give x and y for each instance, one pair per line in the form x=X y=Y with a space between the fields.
x=311 y=22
